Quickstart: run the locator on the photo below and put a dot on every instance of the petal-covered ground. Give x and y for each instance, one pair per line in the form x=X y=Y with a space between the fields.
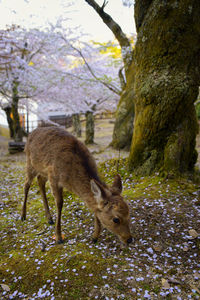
x=163 y=262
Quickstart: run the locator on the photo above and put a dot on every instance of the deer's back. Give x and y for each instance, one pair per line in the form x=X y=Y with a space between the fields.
x=54 y=149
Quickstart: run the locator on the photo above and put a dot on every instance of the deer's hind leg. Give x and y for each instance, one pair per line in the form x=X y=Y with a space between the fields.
x=31 y=173
x=41 y=182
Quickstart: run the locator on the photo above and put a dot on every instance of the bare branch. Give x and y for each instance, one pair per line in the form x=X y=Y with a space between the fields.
x=104 y=4
x=116 y=30
x=109 y=86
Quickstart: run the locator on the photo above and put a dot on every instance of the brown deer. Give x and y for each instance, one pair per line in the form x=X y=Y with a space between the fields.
x=55 y=155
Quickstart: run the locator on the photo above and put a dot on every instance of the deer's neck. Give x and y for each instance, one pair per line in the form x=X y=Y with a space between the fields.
x=85 y=193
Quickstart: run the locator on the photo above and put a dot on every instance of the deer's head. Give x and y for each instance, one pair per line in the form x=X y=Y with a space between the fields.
x=112 y=210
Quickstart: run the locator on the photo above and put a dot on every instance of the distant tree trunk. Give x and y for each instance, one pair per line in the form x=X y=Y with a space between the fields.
x=18 y=131
x=166 y=80
x=7 y=110
x=77 y=124
x=89 y=127
x=123 y=128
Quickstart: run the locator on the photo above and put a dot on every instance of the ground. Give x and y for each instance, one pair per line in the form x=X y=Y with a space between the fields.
x=162 y=262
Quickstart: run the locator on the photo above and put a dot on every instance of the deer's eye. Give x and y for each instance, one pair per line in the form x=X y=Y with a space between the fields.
x=116 y=220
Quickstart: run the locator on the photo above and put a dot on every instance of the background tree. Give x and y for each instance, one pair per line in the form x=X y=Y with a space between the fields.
x=89 y=84
x=20 y=79
x=30 y=74
x=165 y=77
x=50 y=71
x=123 y=128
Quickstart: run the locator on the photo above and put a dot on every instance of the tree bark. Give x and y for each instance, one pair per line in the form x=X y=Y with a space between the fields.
x=123 y=128
x=89 y=128
x=18 y=131
x=77 y=124
x=166 y=79
x=9 y=120
x=125 y=110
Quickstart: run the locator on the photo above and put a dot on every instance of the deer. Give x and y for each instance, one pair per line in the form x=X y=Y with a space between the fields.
x=55 y=155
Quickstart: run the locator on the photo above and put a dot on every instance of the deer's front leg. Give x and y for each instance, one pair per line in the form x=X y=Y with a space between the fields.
x=29 y=178
x=58 y=194
x=97 y=229
x=41 y=183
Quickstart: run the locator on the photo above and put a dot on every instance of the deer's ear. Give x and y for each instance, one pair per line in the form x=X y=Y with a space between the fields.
x=117 y=184
x=95 y=189
x=100 y=194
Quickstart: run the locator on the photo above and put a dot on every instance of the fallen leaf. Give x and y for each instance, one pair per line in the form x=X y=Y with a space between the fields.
x=165 y=284
x=5 y=287
x=186 y=247
x=54 y=237
x=193 y=233
x=174 y=281
x=157 y=247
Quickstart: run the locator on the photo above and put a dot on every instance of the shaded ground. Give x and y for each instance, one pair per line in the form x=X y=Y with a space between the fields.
x=163 y=262
x=103 y=137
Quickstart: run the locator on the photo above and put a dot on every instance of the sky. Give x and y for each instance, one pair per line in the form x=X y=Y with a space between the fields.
x=38 y=13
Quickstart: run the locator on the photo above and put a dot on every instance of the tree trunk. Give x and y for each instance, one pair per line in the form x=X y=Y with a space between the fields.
x=77 y=124
x=89 y=128
x=9 y=120
x=123 y=129
x=166 y=74
x=18 y=131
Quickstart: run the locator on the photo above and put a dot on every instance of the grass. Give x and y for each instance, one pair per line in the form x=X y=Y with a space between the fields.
x=4 y=131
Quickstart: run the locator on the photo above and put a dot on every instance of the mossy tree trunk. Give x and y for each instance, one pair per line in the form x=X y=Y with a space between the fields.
x=166 y=79
x=77 y=124
x=8 y=110
x=89 y=139
x=123 y=127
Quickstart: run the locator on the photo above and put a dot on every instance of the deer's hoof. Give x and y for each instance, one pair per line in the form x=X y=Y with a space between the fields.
x=60 y=241
x=23 y=218
x=50 y=221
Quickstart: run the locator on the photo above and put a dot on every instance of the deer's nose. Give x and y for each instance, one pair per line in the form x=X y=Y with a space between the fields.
x=129 y=240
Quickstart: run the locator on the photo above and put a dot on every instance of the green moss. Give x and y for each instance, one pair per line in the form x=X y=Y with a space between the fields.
x=26 y=268
x=123 y=129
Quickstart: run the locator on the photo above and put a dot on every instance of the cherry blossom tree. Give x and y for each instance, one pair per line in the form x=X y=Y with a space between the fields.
x=86 y=84
x=91 y=87
x=56 y=71
x=24 y=74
